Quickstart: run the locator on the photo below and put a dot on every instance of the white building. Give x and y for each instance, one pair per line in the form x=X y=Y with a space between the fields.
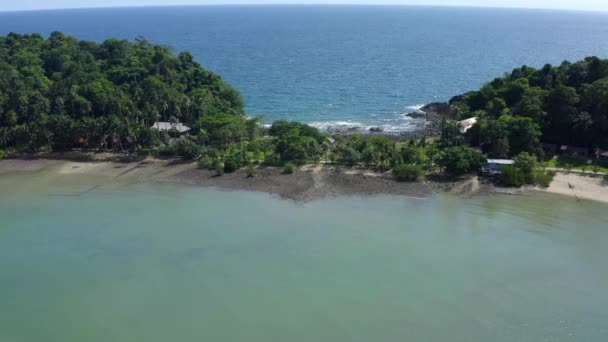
x=465 y=125
x=171 y=127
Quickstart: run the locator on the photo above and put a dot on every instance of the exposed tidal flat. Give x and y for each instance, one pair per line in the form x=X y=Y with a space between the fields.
x=104 y=259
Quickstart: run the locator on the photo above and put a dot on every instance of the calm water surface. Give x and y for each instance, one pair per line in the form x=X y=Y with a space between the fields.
x=343 y=65
x=166 y=263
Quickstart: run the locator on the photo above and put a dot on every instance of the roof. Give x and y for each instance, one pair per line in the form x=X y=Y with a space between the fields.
x=465 y=125
x=501 y=161
x=168 y=126
x=573 y=148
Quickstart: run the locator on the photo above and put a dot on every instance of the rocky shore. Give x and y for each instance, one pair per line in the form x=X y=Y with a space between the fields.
x=426 y=122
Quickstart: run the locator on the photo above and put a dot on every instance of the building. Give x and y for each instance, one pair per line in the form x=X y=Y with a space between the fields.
x=602 y=157
x=574 y=151
x=465 y=125
x=494 y=166
x=171 y=127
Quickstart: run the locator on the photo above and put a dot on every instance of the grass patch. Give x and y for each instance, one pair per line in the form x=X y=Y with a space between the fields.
x=579 y=164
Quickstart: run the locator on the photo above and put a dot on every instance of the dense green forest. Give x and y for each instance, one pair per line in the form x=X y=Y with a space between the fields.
x=566 y=104
x=61 y=92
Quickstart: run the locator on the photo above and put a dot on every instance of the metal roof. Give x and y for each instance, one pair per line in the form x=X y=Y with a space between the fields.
x=501 y=161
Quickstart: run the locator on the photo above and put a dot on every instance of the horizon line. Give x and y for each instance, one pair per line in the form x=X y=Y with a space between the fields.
x=600 y=11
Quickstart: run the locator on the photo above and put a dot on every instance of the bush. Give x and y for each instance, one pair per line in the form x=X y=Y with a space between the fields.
x=289 y=168
x=230 y=166
x=512 y=176
x=251 y=171
x=186 y=149
x=526 y=162
x=219 y=167
x=205 y=162
x=544 y=179
x=1 y=154
x=408 y=172
x=272 y=160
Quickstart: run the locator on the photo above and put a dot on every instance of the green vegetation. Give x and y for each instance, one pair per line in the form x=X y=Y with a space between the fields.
x=574 y=163
x=408 y=172
x=564 y=105
x=62 y=93
x=230 y=166
x=459 y=160
x=218 y=166
x=1 y=154
x=289 y=168
x=251 y=171
x=526 y=170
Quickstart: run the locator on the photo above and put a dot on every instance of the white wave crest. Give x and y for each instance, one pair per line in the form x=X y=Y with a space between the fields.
x=415 y=108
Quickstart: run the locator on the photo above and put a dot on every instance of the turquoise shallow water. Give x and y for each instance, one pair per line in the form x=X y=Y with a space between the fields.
x=161 y=263
x=343 y=65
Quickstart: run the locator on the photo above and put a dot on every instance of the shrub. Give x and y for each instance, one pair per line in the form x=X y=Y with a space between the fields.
x=408 y=172
x=545 y=178
x=289 y=168
x=219 y=167
x=186 y=149
x=272 y=160
x=526 y=162
x=205 y=162
x=512 y=176
x=230 y=166
x=348 y=155
x=251 y=171
x=1 y=154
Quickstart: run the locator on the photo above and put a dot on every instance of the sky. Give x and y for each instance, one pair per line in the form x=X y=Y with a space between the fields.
x=587 y=5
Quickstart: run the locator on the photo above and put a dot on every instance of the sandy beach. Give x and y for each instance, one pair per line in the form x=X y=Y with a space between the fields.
x=580 y=186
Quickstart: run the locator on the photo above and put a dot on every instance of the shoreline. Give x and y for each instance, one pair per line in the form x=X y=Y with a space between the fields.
x=308 y=183
x=580 y=186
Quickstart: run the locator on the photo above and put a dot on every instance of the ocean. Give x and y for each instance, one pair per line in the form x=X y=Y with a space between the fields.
x=343 y=65
x=158 y=262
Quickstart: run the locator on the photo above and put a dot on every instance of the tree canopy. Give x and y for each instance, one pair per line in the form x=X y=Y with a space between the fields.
x=62 y=92
x=565 y=104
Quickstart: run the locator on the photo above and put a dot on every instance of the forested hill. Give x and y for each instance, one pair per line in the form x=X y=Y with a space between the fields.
x=567 y=104
x=62 y=92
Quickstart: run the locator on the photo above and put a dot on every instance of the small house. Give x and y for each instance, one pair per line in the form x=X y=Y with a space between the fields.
x=494 y=166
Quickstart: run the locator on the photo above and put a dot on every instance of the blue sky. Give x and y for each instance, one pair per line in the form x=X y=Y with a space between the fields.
x=589 y=5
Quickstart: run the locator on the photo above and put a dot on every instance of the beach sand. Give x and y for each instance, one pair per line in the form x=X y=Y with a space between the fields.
x=580 y=186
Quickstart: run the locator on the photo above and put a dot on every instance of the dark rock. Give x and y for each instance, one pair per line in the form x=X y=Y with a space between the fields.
x=376 y=129
x=416 y=115
x=442 y=108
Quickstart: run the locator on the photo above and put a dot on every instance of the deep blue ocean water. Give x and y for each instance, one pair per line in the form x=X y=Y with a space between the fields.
x=355 y=65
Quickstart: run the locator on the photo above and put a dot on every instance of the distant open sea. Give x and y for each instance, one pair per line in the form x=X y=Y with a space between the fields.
x=343 y=65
